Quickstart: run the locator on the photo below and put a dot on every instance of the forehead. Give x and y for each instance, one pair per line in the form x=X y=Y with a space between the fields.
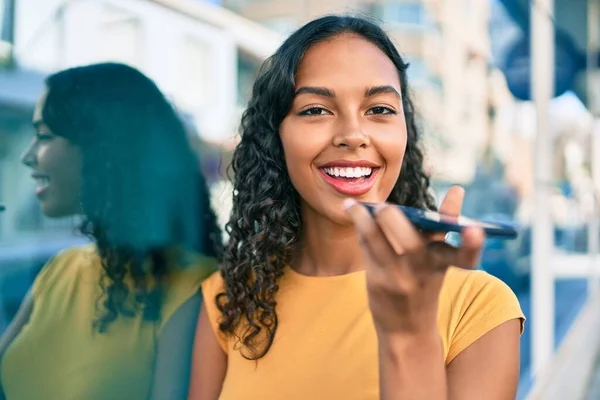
x=346 y=60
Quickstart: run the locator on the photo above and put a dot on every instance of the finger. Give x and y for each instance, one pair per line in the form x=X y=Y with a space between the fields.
x=436 y=236
x=453 y=201
x=442 y=255
x=372 y=238
x=451 y=205
x=398 y=230
x=470 y=251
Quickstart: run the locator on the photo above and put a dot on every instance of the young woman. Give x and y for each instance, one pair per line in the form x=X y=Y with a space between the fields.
x=113 y=320
x=316 y=299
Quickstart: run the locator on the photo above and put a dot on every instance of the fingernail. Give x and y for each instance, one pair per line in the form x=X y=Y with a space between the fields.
x=348 y=203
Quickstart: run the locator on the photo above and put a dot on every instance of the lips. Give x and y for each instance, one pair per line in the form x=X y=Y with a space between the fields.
x=350 y=178
x=42 y=182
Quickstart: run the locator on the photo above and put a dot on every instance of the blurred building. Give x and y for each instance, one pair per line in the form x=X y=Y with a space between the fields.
x=447 y=45
x=571 y=126
x=204 y=57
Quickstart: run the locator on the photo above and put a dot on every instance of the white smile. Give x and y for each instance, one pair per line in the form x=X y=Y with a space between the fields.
x=349 y=172
x=41 y=182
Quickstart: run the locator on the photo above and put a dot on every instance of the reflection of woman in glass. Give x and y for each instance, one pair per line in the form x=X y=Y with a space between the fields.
x=113 y=320
x=318 y=300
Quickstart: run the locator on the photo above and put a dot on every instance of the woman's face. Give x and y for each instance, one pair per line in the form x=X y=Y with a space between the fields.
x=56 y=166
x=345 y=134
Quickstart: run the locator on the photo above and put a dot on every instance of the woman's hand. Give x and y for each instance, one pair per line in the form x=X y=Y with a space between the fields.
x=406 y=269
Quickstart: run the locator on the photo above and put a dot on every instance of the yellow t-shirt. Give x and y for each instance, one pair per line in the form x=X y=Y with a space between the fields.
x=326 y=346
x=58 y=354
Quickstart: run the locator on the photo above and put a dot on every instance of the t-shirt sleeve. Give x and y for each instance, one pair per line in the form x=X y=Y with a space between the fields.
x=185 y=285
x=40 y=281
x=486 y=303
x=55 y=268
x=210 y=289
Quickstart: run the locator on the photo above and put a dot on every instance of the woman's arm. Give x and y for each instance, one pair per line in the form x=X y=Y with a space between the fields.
x=174 y=353
x=14 y=328
x=411 y=368
x=488 y=368
x=209 y=362
x=405 y=273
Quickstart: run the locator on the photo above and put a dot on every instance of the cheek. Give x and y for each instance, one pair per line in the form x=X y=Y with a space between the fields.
x=301 y=146
x=392 y=149
x=298 y=164
x=75 y=170
x=391 y=142
x=394 y=153
x=43 y=156
x=66 y=166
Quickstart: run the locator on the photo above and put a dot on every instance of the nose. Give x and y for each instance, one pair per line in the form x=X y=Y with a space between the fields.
x=28 y=157
x=350 y=134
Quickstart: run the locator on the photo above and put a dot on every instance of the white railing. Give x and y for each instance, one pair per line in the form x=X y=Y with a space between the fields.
x=568 y=374
x=542 y=279
x=564 y=374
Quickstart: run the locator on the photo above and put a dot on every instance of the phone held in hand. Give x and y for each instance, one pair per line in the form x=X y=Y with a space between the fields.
x=431 y=221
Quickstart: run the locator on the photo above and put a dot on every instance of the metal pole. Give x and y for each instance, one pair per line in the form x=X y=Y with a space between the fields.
x=593 y=46
x=542 y=279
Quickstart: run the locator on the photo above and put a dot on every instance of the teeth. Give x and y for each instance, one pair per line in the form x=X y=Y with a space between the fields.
x=42 y=181
x=349 y=172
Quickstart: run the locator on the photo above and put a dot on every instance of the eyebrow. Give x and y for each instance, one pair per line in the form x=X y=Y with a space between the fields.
x=322 y=91
x=319 y=91
x=375 y=90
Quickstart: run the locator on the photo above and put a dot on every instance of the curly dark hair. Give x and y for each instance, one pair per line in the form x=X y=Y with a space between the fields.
x=265 y=222
x=143 y=191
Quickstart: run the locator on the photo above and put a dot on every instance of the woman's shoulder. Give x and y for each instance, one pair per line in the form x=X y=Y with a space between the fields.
x=467 y=284
x=213 y=284
x=74 y=258
x=186 y=282
x=71 y=253
x=211 y=288
x=473 y=302
x=189 y=274
x=64 y=265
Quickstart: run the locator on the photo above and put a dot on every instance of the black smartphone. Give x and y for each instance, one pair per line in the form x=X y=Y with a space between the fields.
x=431 y=221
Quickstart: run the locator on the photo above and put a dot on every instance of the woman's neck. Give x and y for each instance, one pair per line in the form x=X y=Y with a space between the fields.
x=326 y=248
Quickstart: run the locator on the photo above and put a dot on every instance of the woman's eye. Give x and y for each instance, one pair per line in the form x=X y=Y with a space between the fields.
x=381 y=110
x=315 y=111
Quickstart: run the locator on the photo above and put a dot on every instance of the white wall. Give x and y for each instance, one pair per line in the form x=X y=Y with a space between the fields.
x=193 y=62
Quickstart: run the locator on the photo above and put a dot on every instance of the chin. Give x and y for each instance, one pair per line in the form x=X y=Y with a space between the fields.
x=55 y=212
x=339 y=216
